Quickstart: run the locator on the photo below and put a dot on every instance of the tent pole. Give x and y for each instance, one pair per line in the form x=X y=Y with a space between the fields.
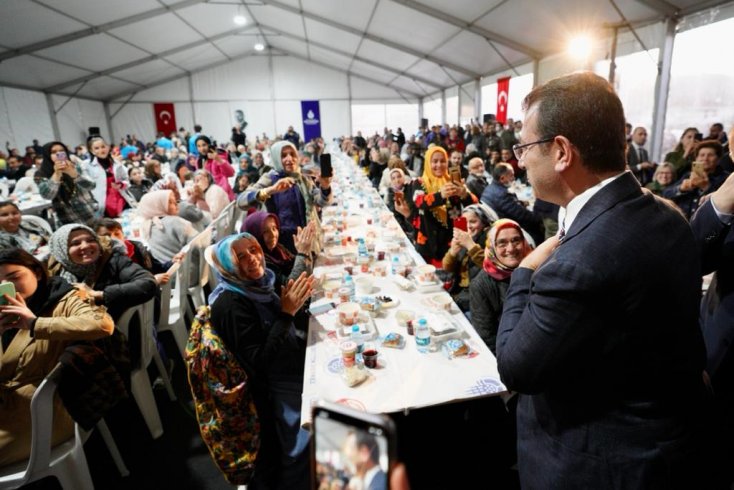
x=662 y=87
x=52 y=115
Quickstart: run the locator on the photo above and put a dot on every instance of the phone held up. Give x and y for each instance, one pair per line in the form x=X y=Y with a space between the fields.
x=6 y=288
x=326 y=169
x=460 y=223
x=697 y=168
x=455 y=174
x=351 y=447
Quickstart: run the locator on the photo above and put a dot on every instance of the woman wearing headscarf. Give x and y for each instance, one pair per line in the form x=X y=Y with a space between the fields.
x=506 y=247
x=108 y=175
x=15 y=232
x=265 y=227
x=466 y=255
x=63 y=183
x=216 y=164
x=287 y=193
x=397 y=203
x=46 y=315
x=207 y=195
x=439 y=201
x=165 y=232
x=101 y=267
x=256 y=324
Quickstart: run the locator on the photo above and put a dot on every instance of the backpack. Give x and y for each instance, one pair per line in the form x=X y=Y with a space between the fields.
x=225 y=410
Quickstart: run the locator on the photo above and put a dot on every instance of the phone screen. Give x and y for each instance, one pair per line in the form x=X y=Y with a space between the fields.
x=697 y=168
x=351 y=449
x=6 y=288
x=460 y=223
x=455 y=173
x=326 y=168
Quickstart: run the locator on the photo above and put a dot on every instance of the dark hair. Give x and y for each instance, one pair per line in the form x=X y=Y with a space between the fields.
x=197 y=128
x=18 y=256
x=584 y=108
x=108 y=223
x=500 y=170
x=713 y=144
x=47 y=167
x=91 y=140
x=9 y=203
x=369 y=441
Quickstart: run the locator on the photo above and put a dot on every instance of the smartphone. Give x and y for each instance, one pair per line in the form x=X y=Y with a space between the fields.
x=697 y=168
x=455 y=174
x=698 y=137
x=399 y=196
x=6 y=288
x=326 y=169
x=348 y=445
x=460 y=223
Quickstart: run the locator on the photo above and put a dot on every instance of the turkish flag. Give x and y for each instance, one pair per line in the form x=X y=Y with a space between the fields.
x=503 y=94
x=165 y=117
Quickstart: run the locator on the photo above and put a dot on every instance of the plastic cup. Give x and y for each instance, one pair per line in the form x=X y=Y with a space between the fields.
x=370 y=358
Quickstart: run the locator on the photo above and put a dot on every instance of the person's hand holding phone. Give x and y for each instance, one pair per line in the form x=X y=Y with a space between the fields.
x=15 y=313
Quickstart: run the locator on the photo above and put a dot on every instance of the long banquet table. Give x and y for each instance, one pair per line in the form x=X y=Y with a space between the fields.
x=405 y=378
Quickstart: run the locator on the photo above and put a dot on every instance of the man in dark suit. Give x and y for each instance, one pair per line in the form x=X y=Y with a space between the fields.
x=507 y=205
x=363 y=453
x=637 y=157
x=611 y=387
x=712 y=227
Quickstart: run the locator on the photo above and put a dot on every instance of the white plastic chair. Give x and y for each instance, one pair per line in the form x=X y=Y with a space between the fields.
x=201 y=267
x=139 y=380
x=174 y=302
x=40 y=222
x=26 y=184
x=66 y=461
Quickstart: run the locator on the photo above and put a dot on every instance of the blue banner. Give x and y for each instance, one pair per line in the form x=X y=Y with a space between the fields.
x=311 y=120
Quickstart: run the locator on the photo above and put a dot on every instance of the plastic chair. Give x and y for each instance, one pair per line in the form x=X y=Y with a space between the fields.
x=201 y=267
x=174 y=302
x=139 y=380
x=26 y=184
x=66 y=461
x=40 y=222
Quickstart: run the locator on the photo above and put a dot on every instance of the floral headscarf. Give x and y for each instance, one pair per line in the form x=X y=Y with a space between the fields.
x=492 y=264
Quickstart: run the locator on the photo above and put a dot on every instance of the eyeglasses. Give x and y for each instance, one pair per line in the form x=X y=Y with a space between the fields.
x=519 y=150
x=516 y=240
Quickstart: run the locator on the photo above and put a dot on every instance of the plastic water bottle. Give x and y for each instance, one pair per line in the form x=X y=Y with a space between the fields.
x=356 y=337
x=422 y=336
x=362 y=248
x=349 y=283
x=395 y=264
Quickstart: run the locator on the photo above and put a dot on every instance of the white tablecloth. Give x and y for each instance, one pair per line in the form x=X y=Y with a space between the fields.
x=405 y=378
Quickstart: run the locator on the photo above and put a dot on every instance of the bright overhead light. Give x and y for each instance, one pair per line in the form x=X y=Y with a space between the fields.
x=259 y=46
x=239 y=19
x=579 y=47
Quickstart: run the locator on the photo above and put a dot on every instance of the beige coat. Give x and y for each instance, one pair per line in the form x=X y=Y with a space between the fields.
x=28 y=360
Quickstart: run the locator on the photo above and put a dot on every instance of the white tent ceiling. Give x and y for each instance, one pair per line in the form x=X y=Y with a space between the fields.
x=108 y=49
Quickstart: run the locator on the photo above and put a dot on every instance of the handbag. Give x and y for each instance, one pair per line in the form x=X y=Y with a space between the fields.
x=225 y=410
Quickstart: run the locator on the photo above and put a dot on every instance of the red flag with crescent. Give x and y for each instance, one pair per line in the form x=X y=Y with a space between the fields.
x=165 y=117
x=503 y=94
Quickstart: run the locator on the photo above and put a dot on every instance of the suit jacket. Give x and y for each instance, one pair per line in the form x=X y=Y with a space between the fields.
x=379 y=481
x=716 y=243
x=633 y=159
x=603 y=344
x=507 y=205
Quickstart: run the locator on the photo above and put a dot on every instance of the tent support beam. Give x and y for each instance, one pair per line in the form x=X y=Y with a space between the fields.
x=662 y=87
x=52 y=115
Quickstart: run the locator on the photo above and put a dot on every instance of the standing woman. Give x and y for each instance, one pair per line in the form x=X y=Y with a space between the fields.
x=287 y=193
x=256 y=324
x=215 y=164
x=506 y=247
x=109 y=177
x=62 y=182
x=44 y=318
x=439 y=201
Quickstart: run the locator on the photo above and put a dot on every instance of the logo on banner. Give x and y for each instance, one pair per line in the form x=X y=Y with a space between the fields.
x=310 y=119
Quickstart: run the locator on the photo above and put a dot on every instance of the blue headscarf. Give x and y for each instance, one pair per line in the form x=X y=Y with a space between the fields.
x=224 y=262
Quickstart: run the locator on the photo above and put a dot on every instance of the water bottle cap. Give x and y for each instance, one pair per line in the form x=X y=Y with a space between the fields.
x=422 y=321
x=355 y=328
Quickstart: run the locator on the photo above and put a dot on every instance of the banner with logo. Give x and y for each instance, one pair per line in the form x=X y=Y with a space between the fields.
x=311 y=119
x=503 y=94
x=165 y=117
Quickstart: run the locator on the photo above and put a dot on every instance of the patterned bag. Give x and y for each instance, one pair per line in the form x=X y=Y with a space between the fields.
x=225 y=410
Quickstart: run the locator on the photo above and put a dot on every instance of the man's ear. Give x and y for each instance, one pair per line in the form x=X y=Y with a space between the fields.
x=564 y=154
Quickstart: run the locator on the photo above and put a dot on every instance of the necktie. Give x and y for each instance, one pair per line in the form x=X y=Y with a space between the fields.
x=641 y=157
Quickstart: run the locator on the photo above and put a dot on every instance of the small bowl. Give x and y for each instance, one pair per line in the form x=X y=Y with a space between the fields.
x=348 y=313
x=404 y=316
x=363 y=285
x=331 y=288
x=426 y=273
x=442 y=301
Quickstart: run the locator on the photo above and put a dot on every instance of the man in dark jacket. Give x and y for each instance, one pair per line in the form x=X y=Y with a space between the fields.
x=507 y=205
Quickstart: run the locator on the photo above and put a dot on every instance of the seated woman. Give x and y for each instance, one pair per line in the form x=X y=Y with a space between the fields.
x=62 y=182
x=139 y=185
x=207 y=195
x=256 y=325
x=393 y=162
x=17 y=232
x=439 y=200
x=216 y=164
x=165 y=232
x=397 y=203
x=45 y=317
x=287 y=193
x=506 y=247
x=465 y=256
x=153 y=171
x=265 y=227
x=105 y=271
x=663 y=178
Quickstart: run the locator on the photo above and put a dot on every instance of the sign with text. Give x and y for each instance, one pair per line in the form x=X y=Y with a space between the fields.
x=311 y=119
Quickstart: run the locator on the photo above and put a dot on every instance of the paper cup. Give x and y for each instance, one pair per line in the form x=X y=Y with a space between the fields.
x=348 y=313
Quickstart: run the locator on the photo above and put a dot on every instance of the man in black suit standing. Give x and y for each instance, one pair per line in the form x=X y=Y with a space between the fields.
x=611 y=387
x=637 y=157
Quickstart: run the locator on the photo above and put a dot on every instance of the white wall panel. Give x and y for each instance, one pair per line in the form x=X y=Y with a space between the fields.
x=334 y=119
x=298 y=79
x=214 y=119
x=245 y=78
x=260 y=119
x=134 y=119
x=25 y=117
x=365 y=90
x=184 y=117
x=288 y=113
x=77 y=116
x=177 y=90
